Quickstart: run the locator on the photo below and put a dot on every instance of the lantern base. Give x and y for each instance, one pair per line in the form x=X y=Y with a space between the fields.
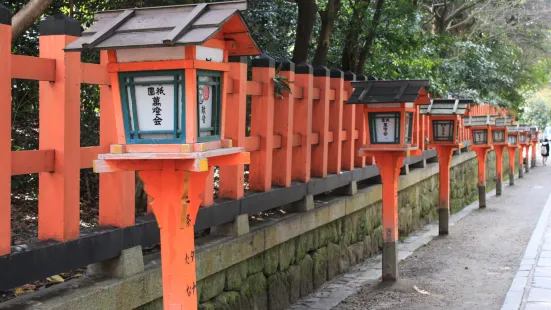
x=511 y=177
x=443 y=221
x=390 y=262
x=482 y=196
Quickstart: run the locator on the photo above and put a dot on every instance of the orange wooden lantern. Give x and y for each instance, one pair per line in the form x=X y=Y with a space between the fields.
x=500 y=142
x=444 y=129
x=391 y=114
x=513 y=133
x=534 y=139
x=169 y=75
x=481 y=133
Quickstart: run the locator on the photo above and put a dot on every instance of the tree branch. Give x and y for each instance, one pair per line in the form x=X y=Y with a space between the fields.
x=460 y=10
x=28 y=15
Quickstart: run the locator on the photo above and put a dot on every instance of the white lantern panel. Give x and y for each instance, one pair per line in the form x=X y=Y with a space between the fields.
x=512 y=139
x=499 y=135
x=385 y=128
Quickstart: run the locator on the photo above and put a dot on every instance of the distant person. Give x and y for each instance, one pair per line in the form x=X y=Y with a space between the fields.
x=545 y=151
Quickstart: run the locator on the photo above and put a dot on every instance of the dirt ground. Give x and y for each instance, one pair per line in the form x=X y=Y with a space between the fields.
x=473 y=267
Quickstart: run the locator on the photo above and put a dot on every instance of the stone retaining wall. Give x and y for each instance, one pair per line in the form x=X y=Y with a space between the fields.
x=282 y=274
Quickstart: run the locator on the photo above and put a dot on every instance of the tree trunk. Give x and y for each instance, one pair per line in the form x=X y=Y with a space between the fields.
x=327 y=22
x=28 y=15
x=366 y=49
x=349 y=60
x=306 y=17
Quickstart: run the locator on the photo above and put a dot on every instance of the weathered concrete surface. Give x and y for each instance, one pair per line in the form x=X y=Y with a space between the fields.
x=474 y=266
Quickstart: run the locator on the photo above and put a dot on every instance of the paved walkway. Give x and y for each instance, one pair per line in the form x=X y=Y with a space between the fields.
x=531 y=287
x=490 y=259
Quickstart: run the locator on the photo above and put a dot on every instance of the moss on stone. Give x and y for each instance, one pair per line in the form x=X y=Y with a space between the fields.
x=255 y=264
x=204 y=306
x=278 y=291
x=235 y=275
x=319 y=258
x=333 y=257
x=211 y=286
x=286 y=254
x=306 y=278
x=293 y=275
x=271 y=260
x=227 y=300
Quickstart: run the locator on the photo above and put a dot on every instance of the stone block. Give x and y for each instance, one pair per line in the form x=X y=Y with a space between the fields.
x=334 y=236
x=306 y=277
x=304 y=244
x=357 y=250
x=157 y=304
x=211 y=286
x=255 y=264
x=286 y=254
x=304 y=205
x=227 y=300
x=345 y=257
x=128 y=263
x=319 y=258
x=254 y=292
x=293 y=275
x=278 y=291
x=235 y=275
x=203 y=306
x=324 y=234
x=271 y=260
x=238 y=227
x=333 y=257
x=368 y=247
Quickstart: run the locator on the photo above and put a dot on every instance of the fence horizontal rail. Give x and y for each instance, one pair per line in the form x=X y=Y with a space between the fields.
x=41 y=259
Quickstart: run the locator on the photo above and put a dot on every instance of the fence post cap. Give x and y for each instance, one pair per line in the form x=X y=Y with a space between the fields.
x=263 y=61
x=304 y=68
x=5 y=15
x=241 y=59
x=349 y=76
x=286 y=65
x=321 y=71
x=59 y=24
x=336 y=73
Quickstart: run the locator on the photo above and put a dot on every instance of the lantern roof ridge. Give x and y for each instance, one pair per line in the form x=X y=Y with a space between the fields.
x=483 y=120
x=178 y=25
x=386 y=91
x=503 y=121
x=446 y=107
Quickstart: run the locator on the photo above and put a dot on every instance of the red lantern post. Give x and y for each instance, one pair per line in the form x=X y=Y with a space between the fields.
x=513 y=144
x=500 y=142
x=481 y=131
x=390 y=112
x=444 y=136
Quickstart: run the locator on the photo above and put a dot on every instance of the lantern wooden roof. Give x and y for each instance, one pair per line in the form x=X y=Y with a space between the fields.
x=446 y=107
x=191 y=24
x=370 y=92
x=513 y=128
x=504 y=121
x=480 y=120
x=524 y=128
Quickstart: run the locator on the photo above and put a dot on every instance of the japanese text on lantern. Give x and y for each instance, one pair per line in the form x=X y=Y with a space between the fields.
x=385 y=128
x=155 y=93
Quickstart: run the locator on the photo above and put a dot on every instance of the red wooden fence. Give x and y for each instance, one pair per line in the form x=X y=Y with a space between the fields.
x=308 y=133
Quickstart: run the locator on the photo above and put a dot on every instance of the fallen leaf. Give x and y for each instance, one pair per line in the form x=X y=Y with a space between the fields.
x=420 y=291
x=19 y=291
x=56 y=279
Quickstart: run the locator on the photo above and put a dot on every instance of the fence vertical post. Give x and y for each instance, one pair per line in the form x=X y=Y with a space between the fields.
x=59 y=118
x=361 y=127
x=302 y=123
x=262 y=124
x=336 y=82
x=232 y=177
x=320 y=122
x=5 y=130
x=349 y=119
x=283 y=126
x=116 y=190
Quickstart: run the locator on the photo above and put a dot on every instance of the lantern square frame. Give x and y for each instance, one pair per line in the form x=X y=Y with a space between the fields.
x=449 y=111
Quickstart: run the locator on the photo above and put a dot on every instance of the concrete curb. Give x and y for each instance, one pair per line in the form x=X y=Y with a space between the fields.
x=522 y=283
x=333 y=292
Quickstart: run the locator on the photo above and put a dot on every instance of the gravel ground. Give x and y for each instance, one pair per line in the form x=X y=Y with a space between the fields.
x=473 y=267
